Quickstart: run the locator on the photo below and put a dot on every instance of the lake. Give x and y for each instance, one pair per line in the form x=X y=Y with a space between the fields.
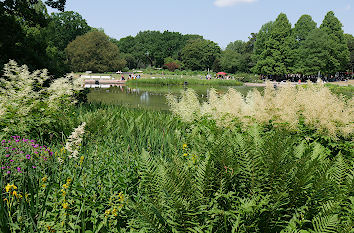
x=148 y=96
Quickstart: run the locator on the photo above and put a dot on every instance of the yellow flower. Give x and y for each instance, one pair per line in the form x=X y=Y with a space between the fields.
x=44 y=185
x=44 y=179
x=82 y=159
x=63 y=192
x=14 y=193
x=121 y=197
x=107 y=212
x=184 y=146
x=9 y=187
x=65 y=205
x=68 y=181
x=65 y=186
x=185 y=154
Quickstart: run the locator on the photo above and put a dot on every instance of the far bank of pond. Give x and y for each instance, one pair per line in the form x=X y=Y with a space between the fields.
x=149 y=96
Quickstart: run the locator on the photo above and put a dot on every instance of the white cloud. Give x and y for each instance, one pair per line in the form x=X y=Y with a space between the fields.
x=225 y=3
x=349 y=7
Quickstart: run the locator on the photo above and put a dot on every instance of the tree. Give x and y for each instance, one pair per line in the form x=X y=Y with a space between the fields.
x=261 y=38
x=236 y=57
x=302 y=28
x=200 y=54
x=338 y=52
x=172 y=64
x=21 y=35
x=313 y=53
x=64 y=27
x=152 y=47
x=350 y=43
x=276 y=57
x=94 y=51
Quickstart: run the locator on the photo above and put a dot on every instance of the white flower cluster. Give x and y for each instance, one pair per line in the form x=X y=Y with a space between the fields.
x=315 y=104
x=23 y=95
x=73 y=144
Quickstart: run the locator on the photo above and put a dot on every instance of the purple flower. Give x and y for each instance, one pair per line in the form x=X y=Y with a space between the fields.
x=36 y=152
x=28 y=156
x=17 y=140
x=51 y=153
x=19 y=169
x=2 y=168
x=25 y=140
x=32 y=141
x=7 y=155
x=11 y=160
x=34 y=167
x=8 y=172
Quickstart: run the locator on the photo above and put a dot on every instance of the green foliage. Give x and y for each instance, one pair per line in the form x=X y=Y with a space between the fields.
x=236 y=57
x=338 y=51
x=200 y=54
x=350 y=43
x=302 y=28
x=21 y=34
x=64 y=27
x=152 y=47
x=313 y=53
x=243 y=181
x=28 y=107
x=183 y=81
x=94 y=51
x=277 y=57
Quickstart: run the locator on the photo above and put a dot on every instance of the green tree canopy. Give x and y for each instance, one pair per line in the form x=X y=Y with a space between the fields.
x=236 y=57
x=261 y=38
x=350 y=43
x=64 y=27
x=94 y=51
x=200 y=54
x=21 y=36
x=152 y=47
x=313 y=53
x=338 y=52
x=276 y=57
x=303 y=27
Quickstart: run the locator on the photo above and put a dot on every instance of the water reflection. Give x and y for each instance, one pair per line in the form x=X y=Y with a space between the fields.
x=148 y=97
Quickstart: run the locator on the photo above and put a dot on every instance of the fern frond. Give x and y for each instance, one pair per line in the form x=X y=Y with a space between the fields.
x=326 y=224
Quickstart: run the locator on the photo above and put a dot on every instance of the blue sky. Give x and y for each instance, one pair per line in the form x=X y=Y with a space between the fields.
x=222 y=21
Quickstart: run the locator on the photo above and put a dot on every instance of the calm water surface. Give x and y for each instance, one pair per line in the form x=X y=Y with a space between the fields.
x=148 y=97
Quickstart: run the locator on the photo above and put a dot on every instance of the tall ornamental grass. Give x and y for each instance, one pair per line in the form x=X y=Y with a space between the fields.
x=315 y=107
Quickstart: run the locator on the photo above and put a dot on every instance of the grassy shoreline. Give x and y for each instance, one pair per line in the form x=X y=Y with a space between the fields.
x=185 y=81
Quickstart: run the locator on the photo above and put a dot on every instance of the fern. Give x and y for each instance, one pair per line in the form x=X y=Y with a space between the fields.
x=326 y=224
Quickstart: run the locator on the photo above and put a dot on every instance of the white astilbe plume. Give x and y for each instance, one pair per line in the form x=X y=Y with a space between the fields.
x=319 y=108
x=22 y=95
x=73 y=144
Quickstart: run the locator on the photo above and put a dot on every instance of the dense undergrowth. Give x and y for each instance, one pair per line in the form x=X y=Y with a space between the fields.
x=133 y=170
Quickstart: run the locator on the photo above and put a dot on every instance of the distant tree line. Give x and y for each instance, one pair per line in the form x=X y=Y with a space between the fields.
x=64 y=42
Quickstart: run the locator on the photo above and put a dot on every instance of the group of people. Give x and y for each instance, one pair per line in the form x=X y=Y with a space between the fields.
x=131 y=76
x=227 y=77
x=313 y=78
